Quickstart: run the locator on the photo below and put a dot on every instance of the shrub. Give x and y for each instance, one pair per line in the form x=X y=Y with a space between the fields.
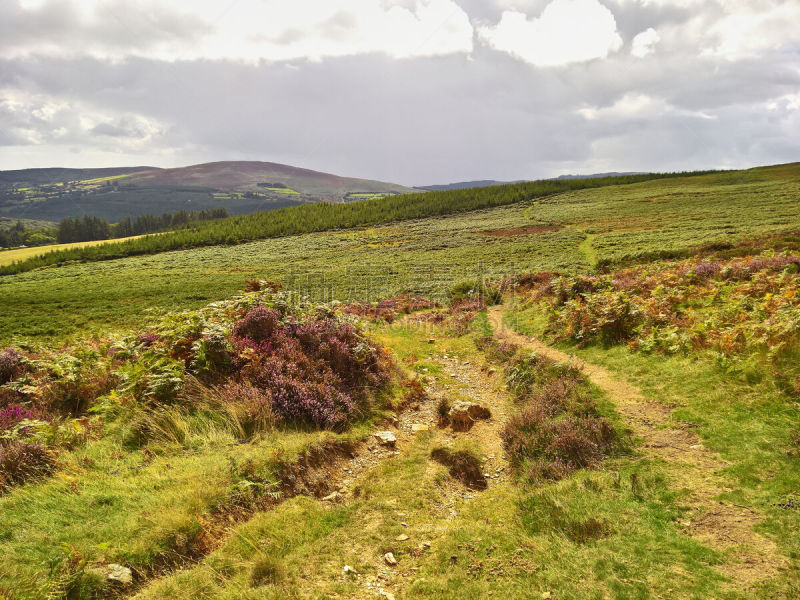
x=11 y=365
x=14 y=413
x=258 y=324
x=22 y=461
x=544 y=447
x=470 y=290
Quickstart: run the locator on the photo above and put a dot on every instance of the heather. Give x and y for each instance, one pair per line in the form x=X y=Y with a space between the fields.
x=744 y=310
x=247 y=366
x=557 y=427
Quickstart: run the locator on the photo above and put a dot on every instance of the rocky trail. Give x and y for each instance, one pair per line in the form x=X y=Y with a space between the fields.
x=335 y=473
x=719 y=524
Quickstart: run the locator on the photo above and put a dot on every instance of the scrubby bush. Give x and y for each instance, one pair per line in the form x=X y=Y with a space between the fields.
x=558 y=428
x=11 y=365
x=472 y=289
x=23 y=461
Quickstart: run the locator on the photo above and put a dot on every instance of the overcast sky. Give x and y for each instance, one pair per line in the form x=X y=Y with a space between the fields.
x=408 y=91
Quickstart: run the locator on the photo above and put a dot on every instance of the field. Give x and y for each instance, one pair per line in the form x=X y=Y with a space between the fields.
x=591 y=394
x=569 y=231
x=9 y=256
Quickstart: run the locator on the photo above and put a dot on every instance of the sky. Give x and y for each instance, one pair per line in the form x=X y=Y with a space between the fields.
x=409 y=91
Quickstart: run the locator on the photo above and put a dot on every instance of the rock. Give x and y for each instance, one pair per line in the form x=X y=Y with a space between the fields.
x=333 y=497
x=546 y=596
x=386 y=438
x=401 y=538
x=348 y=570
x=119 y=574
x=464 y=414
x=387 y=595
x=432 y=340
x=390 y=559
x=417 y=427
x=491 y=371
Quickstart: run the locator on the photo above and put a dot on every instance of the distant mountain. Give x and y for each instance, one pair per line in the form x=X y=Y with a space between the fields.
x=598 y=175
x=240 y=187
x=60 y=175
x=250 y=175
x=461 y=185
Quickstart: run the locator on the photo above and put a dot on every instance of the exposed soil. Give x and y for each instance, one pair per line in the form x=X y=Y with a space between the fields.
x=719 y=524
x=529 y=230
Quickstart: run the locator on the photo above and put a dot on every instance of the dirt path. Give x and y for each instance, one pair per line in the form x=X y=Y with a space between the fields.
x=334 y=475
x=719 y=524
x=468 y=382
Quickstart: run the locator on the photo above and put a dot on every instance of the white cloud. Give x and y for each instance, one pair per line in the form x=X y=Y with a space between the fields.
x=644 y=43
x=637 y=106
x=568 y=31
x=248 y=30
x=752 y=28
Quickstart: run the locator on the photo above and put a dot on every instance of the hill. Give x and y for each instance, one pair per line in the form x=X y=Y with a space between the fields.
x=257 y=176
x=462 y=185
x=240 y=187
x=588 y=389
x=326 y=216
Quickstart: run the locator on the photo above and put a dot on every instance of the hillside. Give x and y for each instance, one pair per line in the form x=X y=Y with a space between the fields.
x=586 y=389
x=240 y=187
x=253 y=176
x=328 y=216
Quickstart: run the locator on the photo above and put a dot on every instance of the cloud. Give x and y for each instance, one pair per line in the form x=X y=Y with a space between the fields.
x=254 y=30
x=644 y=43
x=568 y=31
x=399 y=90
x=754 y=28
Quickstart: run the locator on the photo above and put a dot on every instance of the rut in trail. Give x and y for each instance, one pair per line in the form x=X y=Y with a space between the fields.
x=721 y=525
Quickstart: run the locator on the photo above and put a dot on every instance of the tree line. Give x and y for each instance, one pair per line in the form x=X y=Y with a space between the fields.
x=88 y=228
x=323 y=216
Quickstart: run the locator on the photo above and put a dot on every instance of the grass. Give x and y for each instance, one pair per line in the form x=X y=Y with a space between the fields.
x=748 y=423
x=8 y=257
x=424 y=255
x=593 y=535
x=282 y=190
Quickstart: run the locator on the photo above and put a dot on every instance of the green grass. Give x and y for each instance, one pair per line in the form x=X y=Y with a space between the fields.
x=747 y=423
x=322 y=216
x=424 y=255
x=593 y=535
x=8 y=257
x=282 y=190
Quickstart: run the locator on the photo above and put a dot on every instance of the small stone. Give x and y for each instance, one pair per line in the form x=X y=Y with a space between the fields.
x=332 y=497
x=491 y=371
x=390 y=559
x=401 y=538
x=348 y=570
x=547 y=596
x=404 y=524
x=386 y=595
x=119 y=574
x=417 y=427
x=431 y=340
x=386 y=438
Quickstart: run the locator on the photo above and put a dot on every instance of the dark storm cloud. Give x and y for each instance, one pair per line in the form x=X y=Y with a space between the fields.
x=420 y=120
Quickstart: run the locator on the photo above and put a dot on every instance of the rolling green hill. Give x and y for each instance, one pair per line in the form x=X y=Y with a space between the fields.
x=586 y=390
x=239 y=187
x=496 y=231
